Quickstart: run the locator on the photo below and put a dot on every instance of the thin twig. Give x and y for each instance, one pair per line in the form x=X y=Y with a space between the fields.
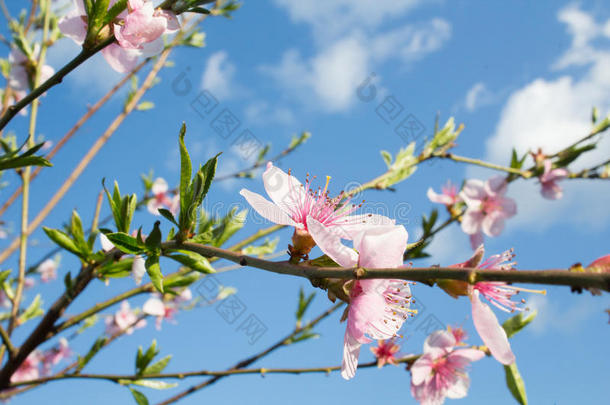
x=82 y=120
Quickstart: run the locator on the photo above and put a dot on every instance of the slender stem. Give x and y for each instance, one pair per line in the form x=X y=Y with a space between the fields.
x=95 y=148
x=82 y=120
x=223 y=373
x=23 y=239
x=6 y=339
x=31 y=16
x=287 y=340
x=5 y=11
x=423 y=274
x=98 y=208
x=478 y=162
x=52 y=81
x=148 y=287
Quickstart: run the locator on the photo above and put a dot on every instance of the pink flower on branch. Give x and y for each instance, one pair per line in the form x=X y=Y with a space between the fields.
x=47 y=270
x=486 y=208
x=385 y=352
x=449 y=195
x=29 y=369
x=155 y=306
x=377 y=308
x=550 y=189
x=161 y=198
x=498 y=294
x=55 y=355
x=143 y=26
x=293 y=204
x=138 y=31
x=441 y=370
x=124 y=320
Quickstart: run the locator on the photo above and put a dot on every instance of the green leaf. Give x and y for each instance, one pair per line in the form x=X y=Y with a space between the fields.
x=117 y=269
x=114 y=11
x=87 y=323
x=32 y=311
x=228 y=226
x=97 y=345
x=517 y=322
x=177 y=282
x=15 y=162
x=387 y=158
x=266 y=248
x=154 y=272
x=186 y=170
x=168 y=215
x=515 y=383
x=145 y=106
x=153 y=241
x=209 y=171
x=192 y=260
x=139 y=397
x=63 y=240
x=125 y=242
x=154 y=384
x=303 y=304
x=323 y=261
x=157 y=367
x=144 y=359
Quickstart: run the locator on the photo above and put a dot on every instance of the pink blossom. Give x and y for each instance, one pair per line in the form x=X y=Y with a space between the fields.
x=385 y=352
x=441 y=370
x=377 y=308
x=293 y=204
x=136 y=23
x=55 y=355
x=500 y=295
x=29 y=369
x=448 y=196
x=144 y=25
x=20 y=78
x=124 y=320
x=47 y=270
x=160 y=197
x=550 y=189
x=155 y=306
x=486 y=208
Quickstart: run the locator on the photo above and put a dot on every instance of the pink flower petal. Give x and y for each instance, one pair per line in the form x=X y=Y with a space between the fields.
x=421 y=369
x=285 y=191
x=105 y=242
x=159 y=186
x=266 y=208
x=473 y=191
x=351 y=351
x=472 y=221
x=154 y=307
x=138 y=269
x=381 y=246
x=496 y=186
x=439 y=198
x=74 y=27
x=330 y=243
x=493 y=223
x=121 y=60
x=490 y=330
x=440 y=340
x=459 y=389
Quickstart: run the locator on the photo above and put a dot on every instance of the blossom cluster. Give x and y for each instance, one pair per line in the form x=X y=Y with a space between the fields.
x=378 y=308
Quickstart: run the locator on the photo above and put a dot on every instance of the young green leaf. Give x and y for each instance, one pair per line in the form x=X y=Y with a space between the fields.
x=165 y=213
x=63 y=240
x=158 y=366
x=515 y=383
x=139 y=397
x=154 y=272
x=153 y=241
x=516 y=323
x=192 y=260
x=125 y=242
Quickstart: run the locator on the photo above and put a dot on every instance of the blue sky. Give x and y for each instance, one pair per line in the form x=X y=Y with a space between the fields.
x=524 y=74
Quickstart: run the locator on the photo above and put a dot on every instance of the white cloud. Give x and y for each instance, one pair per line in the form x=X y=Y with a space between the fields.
x=477 y=96
x=218 y=75
x=553 y=113
x=329 y=79
x=554 y=317
x=330 y=19
x=260 y=112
